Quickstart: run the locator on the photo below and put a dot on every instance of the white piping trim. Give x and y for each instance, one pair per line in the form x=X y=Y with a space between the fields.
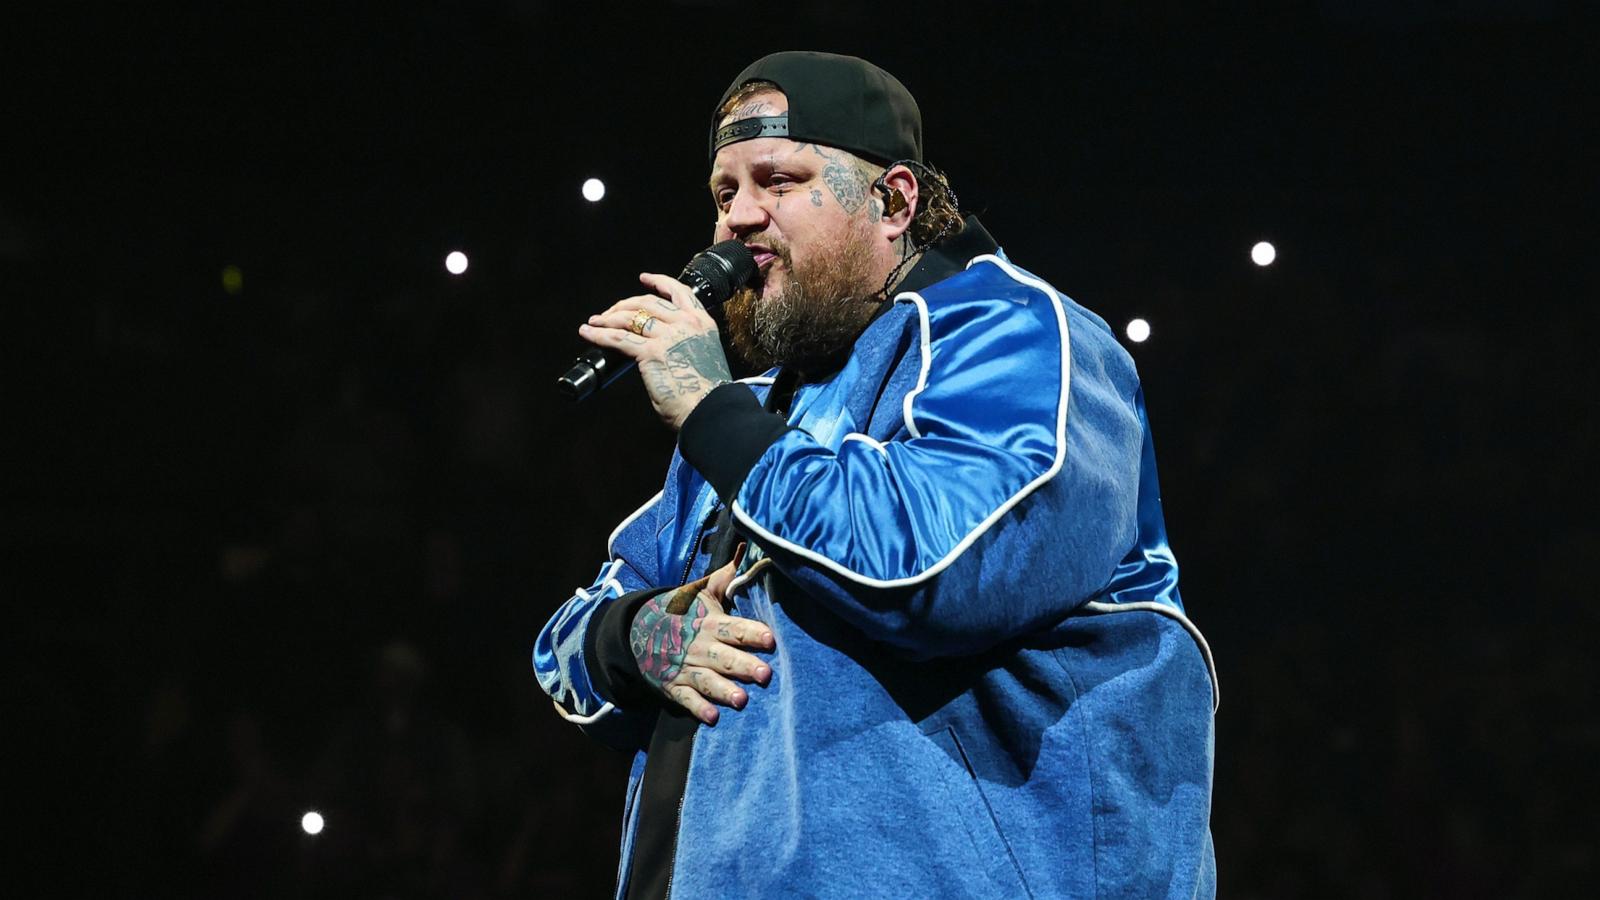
x=922 y=381
x=611 y=581
x=608 y=581
x=876 y=445
x=927 y=357
x=1171 y=612
x=748 y=575
x=576 y=719
x=629 y=521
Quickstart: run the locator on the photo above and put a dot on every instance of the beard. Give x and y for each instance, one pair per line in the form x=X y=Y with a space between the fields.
x=819 y=311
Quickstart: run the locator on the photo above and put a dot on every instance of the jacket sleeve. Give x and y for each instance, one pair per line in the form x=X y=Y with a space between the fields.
x=1005 y=500
x=569 y=655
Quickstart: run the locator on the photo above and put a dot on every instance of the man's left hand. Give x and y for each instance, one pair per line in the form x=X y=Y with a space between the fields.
x=673 y=339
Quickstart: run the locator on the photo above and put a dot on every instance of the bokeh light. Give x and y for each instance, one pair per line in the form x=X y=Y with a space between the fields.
x=312 y=822
x=456 y=262
x=1138 y=331
x=593 y=190
x=1263 y=254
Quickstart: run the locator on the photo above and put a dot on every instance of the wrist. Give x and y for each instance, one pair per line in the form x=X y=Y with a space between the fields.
x=609 y=652
x=683 y=417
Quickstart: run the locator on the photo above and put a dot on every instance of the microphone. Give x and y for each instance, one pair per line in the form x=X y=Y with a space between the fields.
x=714 y=274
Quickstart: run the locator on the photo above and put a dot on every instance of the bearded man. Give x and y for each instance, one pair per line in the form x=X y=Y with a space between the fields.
x=903 y=620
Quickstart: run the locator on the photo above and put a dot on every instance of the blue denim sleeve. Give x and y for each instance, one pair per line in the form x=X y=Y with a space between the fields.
x=560 y=658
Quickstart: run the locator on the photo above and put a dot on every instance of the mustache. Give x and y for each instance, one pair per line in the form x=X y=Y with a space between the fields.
x=778 y=246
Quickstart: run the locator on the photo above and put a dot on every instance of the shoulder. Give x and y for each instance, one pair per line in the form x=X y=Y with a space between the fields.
x=989 y=280
x=993 y=294
x=994 y=285
x=999 y=316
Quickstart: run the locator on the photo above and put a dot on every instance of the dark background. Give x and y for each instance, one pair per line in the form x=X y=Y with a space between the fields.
x=288 y=547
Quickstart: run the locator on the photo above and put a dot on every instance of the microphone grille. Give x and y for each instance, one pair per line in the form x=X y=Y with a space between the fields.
x=724 y=267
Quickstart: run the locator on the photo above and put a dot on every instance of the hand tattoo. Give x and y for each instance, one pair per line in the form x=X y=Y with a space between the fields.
x=655 y=376
x=696 y=360
x=660 y=640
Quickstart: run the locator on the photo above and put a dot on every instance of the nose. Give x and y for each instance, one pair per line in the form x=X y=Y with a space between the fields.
x=745 y=215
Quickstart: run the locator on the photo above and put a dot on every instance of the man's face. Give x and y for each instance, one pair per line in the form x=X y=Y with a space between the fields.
x=805 y=210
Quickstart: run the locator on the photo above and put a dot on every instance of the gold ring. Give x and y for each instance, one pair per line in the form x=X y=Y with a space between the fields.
x=641 y=322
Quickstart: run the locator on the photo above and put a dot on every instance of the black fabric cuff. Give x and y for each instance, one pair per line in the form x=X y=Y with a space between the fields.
x=726 y=434
x=607 y=652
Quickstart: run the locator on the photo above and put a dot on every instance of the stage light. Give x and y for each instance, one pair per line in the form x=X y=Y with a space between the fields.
x=1138 y=331
x=593 y=190
x=1263 y=254
x=456 y=262
x=311 y=822
x=232 y=280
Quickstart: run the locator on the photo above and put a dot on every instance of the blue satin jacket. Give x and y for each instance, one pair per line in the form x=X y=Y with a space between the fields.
x=984 y=683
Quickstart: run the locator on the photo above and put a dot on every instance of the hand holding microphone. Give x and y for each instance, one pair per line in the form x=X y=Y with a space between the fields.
x=669 y=334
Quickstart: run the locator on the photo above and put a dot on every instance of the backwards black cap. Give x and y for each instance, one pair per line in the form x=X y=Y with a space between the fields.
x=839 y=101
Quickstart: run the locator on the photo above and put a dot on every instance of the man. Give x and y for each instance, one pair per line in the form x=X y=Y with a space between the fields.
x=903 y=621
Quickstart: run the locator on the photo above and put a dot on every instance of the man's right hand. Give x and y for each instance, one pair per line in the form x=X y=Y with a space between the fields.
x=694 y=657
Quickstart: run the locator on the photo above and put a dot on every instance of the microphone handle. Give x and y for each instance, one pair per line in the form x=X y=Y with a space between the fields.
x=596 y=368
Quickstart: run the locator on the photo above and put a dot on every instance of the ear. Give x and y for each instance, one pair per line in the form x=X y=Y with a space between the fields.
x=896 y=193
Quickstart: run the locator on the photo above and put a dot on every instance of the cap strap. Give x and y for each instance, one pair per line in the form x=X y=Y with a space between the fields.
x=746 y=129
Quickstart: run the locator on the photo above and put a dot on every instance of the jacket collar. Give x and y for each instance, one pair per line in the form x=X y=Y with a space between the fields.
x=948 y=257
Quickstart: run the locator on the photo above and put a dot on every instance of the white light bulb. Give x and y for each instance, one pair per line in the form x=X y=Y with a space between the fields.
x=593 y=190
x=311 y=822
x=1263 y=254
x=1138 y=331
x=456 y=262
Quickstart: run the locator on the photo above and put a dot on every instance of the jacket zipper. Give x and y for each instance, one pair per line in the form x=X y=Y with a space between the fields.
x=694 y=548
x=677 y=824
